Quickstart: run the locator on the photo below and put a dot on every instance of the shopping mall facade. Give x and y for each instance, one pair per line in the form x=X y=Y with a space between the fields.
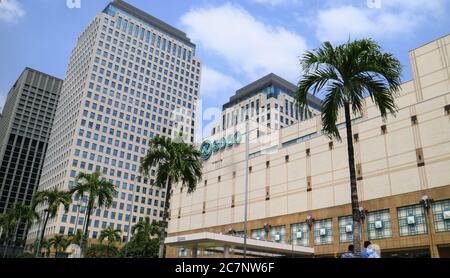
x=298 y=189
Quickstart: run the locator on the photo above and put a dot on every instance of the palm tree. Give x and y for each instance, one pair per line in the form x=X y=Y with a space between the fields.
x=7 y=225
x=53 y=199
x=175 y=162
x=347 y=74
x=59 y=243
x=76 y=238
x=145 y=240
x=23 y=214
x=47 y=245
x=100 y=193
x=146 y=229
x=113 y=235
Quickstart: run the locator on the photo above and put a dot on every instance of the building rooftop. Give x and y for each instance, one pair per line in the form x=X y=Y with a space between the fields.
x=141 y=15
x=264 y=82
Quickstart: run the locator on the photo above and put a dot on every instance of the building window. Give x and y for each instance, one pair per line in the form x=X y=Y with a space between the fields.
x=356 y=137
x=286 y=158
x=308 y=184
x=379 y=224
x=300 y=234
x=308 y=152
x=181 y=252
x=383 y=129
x=441 y=215
x=278 y=234
x=258 y=234
x=323 y=232
x=447 y=109
x=346 y=229
x=413 y=120
x=411 y=220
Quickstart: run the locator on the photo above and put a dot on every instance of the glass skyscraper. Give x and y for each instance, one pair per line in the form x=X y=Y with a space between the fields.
x=25 y=126
x=130 y=77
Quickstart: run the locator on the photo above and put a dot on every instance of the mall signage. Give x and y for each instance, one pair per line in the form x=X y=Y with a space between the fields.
x=209 y=147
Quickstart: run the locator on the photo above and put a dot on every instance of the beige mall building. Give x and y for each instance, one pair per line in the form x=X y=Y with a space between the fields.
x=398 y=161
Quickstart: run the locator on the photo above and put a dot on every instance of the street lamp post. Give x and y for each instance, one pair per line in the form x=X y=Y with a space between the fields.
x=129 y=220
x=310 y=221
x=426 y=202
x=246 y=182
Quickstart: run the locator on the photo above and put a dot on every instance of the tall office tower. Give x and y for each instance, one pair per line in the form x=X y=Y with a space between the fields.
x=268 y=101
x=127 y=76
x=25 y=128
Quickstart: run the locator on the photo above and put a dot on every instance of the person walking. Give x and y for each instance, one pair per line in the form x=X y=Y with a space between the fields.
x=350 y=253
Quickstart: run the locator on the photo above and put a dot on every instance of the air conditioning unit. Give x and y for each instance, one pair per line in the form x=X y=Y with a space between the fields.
x=349 y=228
x=411 y=220
x=299 y=234
x=379 y=224
x=277 y=237
x=322 y=232
x=446 y=214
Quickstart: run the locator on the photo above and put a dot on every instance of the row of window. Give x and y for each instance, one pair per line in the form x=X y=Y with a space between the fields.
x=411 y=221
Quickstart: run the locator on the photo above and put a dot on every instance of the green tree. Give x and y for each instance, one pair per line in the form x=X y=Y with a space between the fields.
x=346 y=75
x=112 y=235
x=59 y=243
x=52 y=199
x=145 y=241
x=175 y=162
x=101 y=251
x=47 y=245
x=99 y=191
x=24 y=214
x=8 y=222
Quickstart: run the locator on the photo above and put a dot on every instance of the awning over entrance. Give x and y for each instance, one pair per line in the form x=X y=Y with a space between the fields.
x=208 y=240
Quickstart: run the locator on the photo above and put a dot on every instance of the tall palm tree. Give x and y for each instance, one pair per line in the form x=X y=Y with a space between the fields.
x=7 y=225
x=52 y=199
x=176 y=162
x=113 y=236
x=347 y=74
x=24 y=214
x=100 y=193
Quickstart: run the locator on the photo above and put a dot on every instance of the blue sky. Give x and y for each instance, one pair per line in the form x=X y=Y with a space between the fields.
x=237 y=41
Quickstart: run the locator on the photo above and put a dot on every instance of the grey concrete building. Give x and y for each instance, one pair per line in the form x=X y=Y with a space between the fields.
x=130 y=77
x=25 y=127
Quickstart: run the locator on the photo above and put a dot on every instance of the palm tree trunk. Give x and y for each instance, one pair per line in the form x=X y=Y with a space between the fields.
x=5 y=251
x=16 y=231
x=162 y=249
x=86 y=229
x=42 y=232
x=353 y=188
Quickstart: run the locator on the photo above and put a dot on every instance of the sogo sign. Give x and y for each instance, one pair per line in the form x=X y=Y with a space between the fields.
x=208 y=147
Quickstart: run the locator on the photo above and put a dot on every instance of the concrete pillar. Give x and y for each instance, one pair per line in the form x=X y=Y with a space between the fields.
x=226 y=252
x=194 y=251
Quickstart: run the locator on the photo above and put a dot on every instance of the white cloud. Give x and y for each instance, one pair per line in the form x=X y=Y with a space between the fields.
x=393 y=18
x=11 y=11
x=215 y=84
x=249 y=46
